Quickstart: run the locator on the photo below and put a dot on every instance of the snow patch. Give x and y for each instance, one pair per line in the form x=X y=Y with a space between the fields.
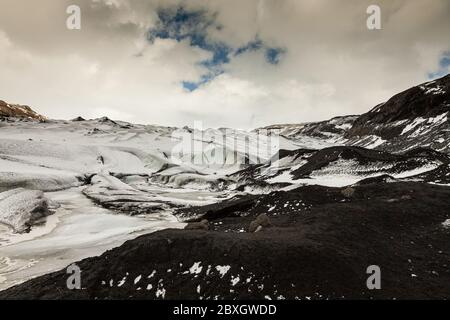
x=223 y=270
x=196 y=268
x=235 y=280
x=446 y=224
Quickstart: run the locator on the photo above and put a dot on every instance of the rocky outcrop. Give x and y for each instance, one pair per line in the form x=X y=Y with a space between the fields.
x=202 y=225
x=18 y=111
x=261 y=221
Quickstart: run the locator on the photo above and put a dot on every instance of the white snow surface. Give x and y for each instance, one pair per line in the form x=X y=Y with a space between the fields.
x=79 y=229
x=151 y=169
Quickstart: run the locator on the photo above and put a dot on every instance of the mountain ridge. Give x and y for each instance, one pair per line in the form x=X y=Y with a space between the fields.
x=416 y=117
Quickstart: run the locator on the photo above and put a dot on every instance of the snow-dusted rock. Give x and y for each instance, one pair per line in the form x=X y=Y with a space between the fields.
x=21 y=208
x=112 y=193
x=18 y=111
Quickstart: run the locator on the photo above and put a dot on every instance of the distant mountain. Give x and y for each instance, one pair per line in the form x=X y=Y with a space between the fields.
x=331 y=130
x=345 y=165
x=18 y=111
x=415 y=118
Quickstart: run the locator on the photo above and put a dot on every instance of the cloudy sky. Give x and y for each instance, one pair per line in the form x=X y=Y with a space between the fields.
x=235 y=63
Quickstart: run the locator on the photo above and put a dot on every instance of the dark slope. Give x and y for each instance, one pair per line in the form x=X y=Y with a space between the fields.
x=426 y=100
x=319 y=247
x=416 y=117
x=373 y=161
x=348 y=160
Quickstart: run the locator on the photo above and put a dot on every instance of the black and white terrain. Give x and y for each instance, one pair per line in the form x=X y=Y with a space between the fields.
x=302 y=220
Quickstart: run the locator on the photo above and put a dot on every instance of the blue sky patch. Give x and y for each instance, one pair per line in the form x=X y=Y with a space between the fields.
x=193 y=85
x=181 y=24
x=251 y=46
x=190 y=86
x=444 y=64
x=273 y=55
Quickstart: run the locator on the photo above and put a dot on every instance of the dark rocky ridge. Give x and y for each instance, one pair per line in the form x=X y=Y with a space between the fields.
x=427 y=100
x=419 y=116
x=351 y=161
x=366 y=157
x=316 y=250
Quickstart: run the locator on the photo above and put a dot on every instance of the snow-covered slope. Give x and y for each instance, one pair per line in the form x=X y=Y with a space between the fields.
x=130 y=167
x=316 y=134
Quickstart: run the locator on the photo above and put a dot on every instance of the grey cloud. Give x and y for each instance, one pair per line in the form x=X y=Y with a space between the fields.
x=333 y=65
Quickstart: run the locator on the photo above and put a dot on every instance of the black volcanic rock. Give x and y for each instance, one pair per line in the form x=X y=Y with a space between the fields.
x=318 y=247
x=385 y=178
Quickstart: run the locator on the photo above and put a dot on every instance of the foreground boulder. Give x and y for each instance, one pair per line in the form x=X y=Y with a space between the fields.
x=20 y=209
x=348 y=192
x=262 y=221
x=202 y=225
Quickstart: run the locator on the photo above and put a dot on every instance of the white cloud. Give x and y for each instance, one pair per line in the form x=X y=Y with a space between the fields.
x=333 y=64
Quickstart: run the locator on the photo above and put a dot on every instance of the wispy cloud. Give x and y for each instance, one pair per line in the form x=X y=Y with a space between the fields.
x=179 y=23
